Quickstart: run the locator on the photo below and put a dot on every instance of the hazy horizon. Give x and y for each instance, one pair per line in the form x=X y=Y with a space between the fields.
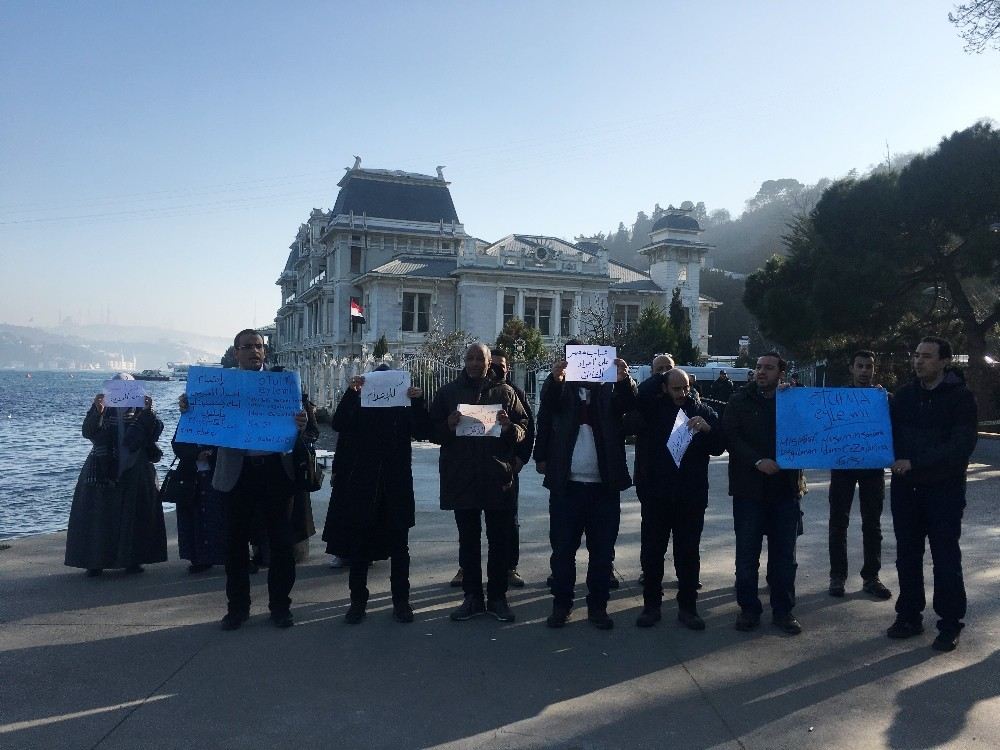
x=158 y=159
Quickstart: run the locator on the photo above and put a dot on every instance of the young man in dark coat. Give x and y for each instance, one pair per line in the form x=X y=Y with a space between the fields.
x=477 y=475
x=580 y=449
x=372 y=506
x=934 y=427
x=765 y=499
x=673 y=498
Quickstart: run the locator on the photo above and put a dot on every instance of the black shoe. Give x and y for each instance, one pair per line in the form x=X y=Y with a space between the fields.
x=94 y=572
x=473 y=606
x=355 y=614
x=514 y=579
x=877 y=589
x=499 y=609
x=947 y=640
x=282 y=619
x=402 y=612
x=234 y=620
x=558 y=617
x=787 y=623
x=836 y=587
x=599 y=619
x=690 y=619
x=192 y=568
x=747 y=621
x=648 y=617
x=904 y=628
x=133 y=569
x=456 y=582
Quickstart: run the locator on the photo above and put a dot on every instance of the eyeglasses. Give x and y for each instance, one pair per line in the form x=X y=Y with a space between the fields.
x=248 y=347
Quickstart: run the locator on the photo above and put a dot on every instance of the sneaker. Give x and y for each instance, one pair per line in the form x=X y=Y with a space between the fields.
x=947 y=640
x=337 y=562
x=282 y=619
x=514 y=579
x=558 y=617
x=234 y=620
x=355 y=614
x=473 y=606
x=836 y=587
x=456 y=582
x=904 y=628
x=787 y=623
x=690 y=619
x=747 y=621
x=599 y=619
x=499 y=609
x=648 y=617
x=402 y=612
x=877 y=589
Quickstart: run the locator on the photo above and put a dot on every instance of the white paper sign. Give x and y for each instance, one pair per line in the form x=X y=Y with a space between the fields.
x=680 y=437
x=478 y=420
x=385 y=388
x=591 y=364
x=124 y=394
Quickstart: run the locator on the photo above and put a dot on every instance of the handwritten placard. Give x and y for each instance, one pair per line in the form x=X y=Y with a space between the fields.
x=680 y=438
x=591 y=364
x=385 y=388
x=478 y=420
x=124 y=394
x=833 y=428
x=241 y=409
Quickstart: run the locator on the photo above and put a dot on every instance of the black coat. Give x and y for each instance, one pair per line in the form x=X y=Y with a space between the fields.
x=749 y=424
x=936 y=429
x=476 y=472
x=656 y=474
x=559 y=424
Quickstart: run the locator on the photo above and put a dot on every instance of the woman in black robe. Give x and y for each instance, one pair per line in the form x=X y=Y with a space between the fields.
x=372 y=506
x=116 y=520
x=201 y=521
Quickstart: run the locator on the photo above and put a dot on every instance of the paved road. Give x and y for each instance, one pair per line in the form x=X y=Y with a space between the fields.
x=139 y=662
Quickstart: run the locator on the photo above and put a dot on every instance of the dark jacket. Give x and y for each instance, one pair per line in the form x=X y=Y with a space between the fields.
x=656 y=474
x=559 y=424
x=476 y=472
x=722 y=390
x=523 y=449
x=373 y=479
x=936 y=429
x=749 y=427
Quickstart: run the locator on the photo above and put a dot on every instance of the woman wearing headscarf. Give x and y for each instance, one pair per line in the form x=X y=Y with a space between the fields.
x=201 y=520
x=116 y=520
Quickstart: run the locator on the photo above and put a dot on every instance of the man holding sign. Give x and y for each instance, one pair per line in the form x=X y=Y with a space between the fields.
x=676 y=435
x=478 y=422
x=581 y=451
x=765 y=499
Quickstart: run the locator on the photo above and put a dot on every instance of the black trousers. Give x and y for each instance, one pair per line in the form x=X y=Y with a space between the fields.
x=399 y=567
x=514 y=553
x=265 y=487
x=499 y=524
x=932 y=513
x=871 y=498
x=661 y=515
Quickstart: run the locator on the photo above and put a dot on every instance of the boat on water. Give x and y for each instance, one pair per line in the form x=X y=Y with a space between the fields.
x=151 y=375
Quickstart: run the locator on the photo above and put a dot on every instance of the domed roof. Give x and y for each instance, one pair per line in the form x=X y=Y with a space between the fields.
x=676 y=221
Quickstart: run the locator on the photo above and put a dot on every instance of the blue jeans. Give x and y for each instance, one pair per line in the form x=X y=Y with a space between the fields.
x=934 y=513
x=576 y=509
x=778 y=520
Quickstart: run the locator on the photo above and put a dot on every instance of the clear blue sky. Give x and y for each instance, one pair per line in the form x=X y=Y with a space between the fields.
x=157 y=158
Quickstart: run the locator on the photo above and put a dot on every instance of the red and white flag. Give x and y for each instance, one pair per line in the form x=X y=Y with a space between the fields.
x=357 y=311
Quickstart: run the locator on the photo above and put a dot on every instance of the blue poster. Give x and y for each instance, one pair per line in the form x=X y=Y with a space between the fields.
x=833 y=428
x=241 y=409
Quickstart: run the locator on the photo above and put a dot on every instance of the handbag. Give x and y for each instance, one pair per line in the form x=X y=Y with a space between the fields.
x=177 y=488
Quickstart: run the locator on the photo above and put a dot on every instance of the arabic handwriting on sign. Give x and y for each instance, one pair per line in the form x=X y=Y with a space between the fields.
x=385 y=388
x=478 y=420
x=591 y=364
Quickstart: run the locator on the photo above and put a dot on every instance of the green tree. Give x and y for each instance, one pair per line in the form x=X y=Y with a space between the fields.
x=515 y=329
x=381 y=347
x=652 y=334
x=883 y=259
x=229 y=358
x=686 y=353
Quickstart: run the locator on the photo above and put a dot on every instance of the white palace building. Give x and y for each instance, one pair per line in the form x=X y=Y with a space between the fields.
x=394 y=243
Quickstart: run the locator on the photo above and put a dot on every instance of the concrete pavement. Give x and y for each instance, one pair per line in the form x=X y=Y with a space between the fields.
x=140 y=662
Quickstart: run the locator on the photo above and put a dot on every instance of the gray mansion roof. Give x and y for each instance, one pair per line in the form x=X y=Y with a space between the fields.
x=417 y=266
x=676 y=221
x=386 y=194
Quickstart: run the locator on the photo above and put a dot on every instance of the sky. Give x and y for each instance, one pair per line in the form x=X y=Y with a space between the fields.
x=156 y=159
